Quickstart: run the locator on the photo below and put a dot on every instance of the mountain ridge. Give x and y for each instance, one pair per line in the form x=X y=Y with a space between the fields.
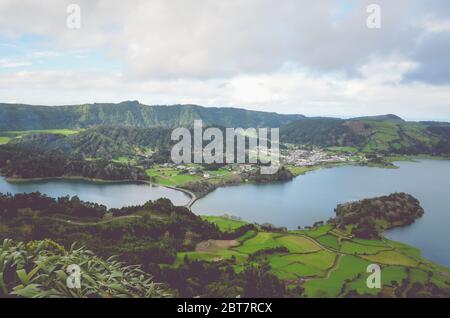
x=132 y=113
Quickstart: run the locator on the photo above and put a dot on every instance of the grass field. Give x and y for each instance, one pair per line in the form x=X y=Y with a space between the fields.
x=224 y=224
x=349 y=247
x=316 y=232
x=65 y=132
x=390 y=275
x=293 y=271
x=348 y=268
x=170 y=176
x=343 y=149
x=391 y=258
x=261 y=241
x=250 y=234
x=210 y=256
x=369 y=242
x=329 y=240
x=296 y=171
x=321 y=260
x=125 y=160
x=298 y=244
x=326 y=265
x=4 y=140
x=386 y=134
x=291 y=266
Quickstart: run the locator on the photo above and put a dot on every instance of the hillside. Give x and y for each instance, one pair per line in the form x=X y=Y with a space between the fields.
x=130 y=128
x=383 y=134
x=132 y=113
x=27 y=163
x=105 y=142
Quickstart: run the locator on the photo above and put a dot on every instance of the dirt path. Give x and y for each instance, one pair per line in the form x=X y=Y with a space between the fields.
x=334 y=266
x=213 y=245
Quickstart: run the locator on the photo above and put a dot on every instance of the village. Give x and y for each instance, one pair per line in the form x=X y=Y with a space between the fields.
x=314 y=157
x=177 y=174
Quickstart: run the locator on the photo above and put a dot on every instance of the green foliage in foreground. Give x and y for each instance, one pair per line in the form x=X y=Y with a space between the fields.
x=38 y=269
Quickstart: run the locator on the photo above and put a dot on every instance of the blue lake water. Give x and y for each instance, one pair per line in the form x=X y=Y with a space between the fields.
x=113 y=195
x=313 y=197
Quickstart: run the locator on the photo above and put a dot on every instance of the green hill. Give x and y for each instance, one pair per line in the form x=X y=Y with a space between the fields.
x=132 y=113
x=387 y=134
x=384 y=134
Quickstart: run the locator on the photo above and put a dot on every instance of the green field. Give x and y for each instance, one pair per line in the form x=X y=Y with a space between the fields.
x=65 y=132
x=170 y=176
x=291 y=266
x=210 y=256
x=248 y=235
x=225 y=224
x=390 y=275
x=343 y=149
x=348 y=268
x=4 y=140
x=296 y=171
x=316 y=232
x=293 y=271
x=386 y=135
x=391 y=258
x=329 y=240
x=327 y=261
x=298 y=244
x=321 y=260
x=261 y=241
x=125 y=160
x=349 y=247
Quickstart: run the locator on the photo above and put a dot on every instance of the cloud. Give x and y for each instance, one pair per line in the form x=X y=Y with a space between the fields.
x=7 y=63
x=432 y=56
x=290 y=56
x=284 y=92
x=222 y=38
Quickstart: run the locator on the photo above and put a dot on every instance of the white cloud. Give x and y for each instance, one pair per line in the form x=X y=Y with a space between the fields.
x=436 y=25
x=285 y=92
x=290 y=56
x=7 y=63
x=207 y=39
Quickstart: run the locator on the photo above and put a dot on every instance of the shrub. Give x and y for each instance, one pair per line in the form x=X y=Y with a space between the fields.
x=38 y=269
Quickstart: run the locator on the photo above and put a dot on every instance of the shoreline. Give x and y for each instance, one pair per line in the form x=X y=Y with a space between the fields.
x=191 y=195
x=74 y=178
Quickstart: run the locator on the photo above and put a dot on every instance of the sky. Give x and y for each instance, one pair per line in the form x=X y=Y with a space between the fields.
x=317 y=58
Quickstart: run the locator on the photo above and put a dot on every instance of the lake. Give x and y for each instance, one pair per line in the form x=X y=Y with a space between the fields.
x=313 y=197
x=302 y=201
x=113 y=195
